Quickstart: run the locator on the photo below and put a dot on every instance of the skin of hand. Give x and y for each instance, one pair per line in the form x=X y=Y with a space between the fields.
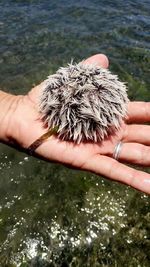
x=22 y=126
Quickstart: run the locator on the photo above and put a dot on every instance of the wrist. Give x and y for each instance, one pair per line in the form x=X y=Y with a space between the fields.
x=8 y=105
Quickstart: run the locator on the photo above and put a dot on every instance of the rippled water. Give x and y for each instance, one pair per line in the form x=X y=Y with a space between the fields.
x=51 y=215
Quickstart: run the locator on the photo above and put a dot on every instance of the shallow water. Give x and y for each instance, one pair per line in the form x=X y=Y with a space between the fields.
x=51 y=215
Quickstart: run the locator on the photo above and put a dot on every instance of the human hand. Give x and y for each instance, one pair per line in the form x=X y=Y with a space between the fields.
x=25 y=127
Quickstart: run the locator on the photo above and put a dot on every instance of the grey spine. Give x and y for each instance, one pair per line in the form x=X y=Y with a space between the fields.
x=86 y=102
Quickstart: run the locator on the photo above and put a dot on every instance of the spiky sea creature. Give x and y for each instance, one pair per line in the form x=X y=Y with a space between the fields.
x=85 y=102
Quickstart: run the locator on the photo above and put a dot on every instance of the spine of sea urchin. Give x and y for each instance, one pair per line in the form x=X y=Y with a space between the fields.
x=85 y=102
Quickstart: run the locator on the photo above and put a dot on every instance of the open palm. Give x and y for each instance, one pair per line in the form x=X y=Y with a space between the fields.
x=95 y=157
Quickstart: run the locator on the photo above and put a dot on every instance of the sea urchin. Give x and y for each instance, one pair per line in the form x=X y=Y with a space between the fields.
x=85 y=102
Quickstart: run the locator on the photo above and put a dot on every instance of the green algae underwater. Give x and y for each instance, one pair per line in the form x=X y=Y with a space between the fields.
x=50 y=215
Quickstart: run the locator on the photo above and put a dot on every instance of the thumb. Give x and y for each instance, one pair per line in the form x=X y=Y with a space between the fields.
x=99 y=60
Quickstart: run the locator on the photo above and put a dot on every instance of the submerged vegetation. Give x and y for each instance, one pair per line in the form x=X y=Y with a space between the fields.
x=69 y=218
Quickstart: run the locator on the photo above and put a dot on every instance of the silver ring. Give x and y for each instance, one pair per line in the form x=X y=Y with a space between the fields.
x=117 y=150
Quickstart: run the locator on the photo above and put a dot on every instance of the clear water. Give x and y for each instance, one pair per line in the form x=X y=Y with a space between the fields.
x=51 y=215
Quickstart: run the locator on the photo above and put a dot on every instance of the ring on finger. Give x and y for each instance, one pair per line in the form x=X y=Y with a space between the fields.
x=117 y=150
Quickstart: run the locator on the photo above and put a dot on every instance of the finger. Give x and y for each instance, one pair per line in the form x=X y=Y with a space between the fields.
x=99 y=59
x=135 y=153
x=115 y=170
x=138 y=134
x=138 y=112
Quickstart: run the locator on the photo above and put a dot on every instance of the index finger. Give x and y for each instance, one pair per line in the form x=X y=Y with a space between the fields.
x=138 y=112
